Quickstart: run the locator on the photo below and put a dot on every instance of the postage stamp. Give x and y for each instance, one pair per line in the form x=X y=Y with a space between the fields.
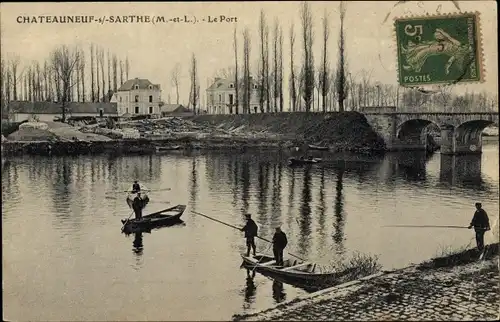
x=440 y=49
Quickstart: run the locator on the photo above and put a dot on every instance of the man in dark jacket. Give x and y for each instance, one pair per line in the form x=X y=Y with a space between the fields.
x=279 y=243
x=481 y=224
x=137 y=205
x=136 y=187
x=250 y=230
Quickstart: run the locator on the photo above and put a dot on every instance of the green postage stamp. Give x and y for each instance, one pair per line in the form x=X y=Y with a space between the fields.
x=443 y=49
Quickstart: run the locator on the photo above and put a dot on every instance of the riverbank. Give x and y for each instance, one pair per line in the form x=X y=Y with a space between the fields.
x=348 y=131
x=454 y=287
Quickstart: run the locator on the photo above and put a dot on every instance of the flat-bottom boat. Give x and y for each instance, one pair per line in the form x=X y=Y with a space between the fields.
x=295 y=161
x=300 y=272
x=160 y=149
x=162 y=218
x=317 y=147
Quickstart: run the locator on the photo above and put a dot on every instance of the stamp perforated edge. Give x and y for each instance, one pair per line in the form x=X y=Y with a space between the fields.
x=479 y=51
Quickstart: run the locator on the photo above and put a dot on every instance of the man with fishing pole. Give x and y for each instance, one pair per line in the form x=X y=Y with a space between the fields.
x=481 y=224
x=250 y=230
x=279 y=243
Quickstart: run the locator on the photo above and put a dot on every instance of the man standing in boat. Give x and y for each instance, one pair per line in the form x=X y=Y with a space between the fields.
x=481 y=224
x=250 y=230
x=136 y=187
x=279 y=243
x=137 y=206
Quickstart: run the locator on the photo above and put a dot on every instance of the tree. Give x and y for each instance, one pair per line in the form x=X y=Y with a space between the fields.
x=92 y=79
x=293 y=84
x=115 y=75
x=341 y=68
x=127 y=68
x=263 y=46
x=246 y=71
x=275 y=64
x=175 y=79
x=195 y=87
x=236 y=81
x=121 y=72
x=82 y=74
x=308 y=63
x=101 y=58
x=64 y=61
x=324 y=80
x=14 y=65
x=280 y=68
x=109 y=77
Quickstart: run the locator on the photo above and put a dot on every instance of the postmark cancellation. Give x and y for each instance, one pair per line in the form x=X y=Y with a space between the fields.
x=439 y=49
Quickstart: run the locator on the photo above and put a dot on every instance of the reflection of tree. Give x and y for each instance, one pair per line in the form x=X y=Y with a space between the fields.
x=193 y=184
x=412 y=166
x=263 y=180
x=61 y=181
x=234 y=171
x=321 y=209
x=279 y=294
x=10 y=182
x=276 y=198
x=463 y=171
x=245 y=182
x=305 y=213
x=338 y=235
x=291 y=195
x=250 y=289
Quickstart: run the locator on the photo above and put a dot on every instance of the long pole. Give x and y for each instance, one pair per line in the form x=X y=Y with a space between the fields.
x=229 y=225
x=425 y=226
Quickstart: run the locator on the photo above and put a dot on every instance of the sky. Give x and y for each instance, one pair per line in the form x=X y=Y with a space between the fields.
x=154 y=49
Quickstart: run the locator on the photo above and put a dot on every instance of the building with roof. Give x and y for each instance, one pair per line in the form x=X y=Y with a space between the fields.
x=175 y=110
x=138 y=96
x=221 y=95
x=48 y=111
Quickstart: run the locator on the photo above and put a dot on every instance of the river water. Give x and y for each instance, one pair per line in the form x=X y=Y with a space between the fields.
x=64 y=257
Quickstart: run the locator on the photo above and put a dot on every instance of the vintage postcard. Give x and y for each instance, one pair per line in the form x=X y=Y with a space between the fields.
x=265 y=160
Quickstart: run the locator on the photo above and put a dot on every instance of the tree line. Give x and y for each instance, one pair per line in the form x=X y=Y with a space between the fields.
x=329 y=86
x=65 y=76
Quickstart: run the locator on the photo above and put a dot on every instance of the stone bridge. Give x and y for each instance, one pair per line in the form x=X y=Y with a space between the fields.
x=460 y=132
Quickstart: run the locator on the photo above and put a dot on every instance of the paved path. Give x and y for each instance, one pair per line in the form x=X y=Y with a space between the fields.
x=466 y=292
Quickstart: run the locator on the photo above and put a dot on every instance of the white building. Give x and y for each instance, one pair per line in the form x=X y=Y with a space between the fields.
x=138 y=96
x=49 y=111
x=222 y=94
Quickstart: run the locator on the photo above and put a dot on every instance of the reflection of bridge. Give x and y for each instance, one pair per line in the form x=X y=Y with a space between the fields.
x=460 y=132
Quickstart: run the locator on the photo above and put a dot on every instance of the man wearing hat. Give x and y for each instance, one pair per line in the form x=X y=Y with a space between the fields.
x=250 y=230
x=481 y=224
x=279 y=243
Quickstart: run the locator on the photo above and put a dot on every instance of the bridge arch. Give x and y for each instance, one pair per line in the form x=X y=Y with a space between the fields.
x=468 y=135
x=411 y=131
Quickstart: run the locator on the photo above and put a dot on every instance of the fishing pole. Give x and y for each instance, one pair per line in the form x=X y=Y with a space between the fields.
x=264 y=239
x=425 y=226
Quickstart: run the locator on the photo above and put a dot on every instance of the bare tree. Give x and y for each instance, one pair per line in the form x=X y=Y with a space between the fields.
x=3 y=90
x=110 y=91
x=115 y=75
x=64 y=61
x=341 y=68
x=236 y=80
x=14 y=65
x=127 y=68
x=275 y=64
x=293 y=84
x=262 y=72
x=195 y=87
x=247 y=86
x=77 y=72
x=98 y=63
x=280 y=68
x=92 y=79
x=101 y=58
x=82 y=73
x=175 y=79
x=308 y=64
x=324 y=74
x=121 y=72
x=266 y=70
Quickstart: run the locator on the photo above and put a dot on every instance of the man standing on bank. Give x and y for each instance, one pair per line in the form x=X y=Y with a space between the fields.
x=481 y=224
x=250 y=230
x=279 y=243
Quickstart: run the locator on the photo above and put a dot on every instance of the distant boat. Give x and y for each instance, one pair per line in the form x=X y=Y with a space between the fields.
x=160 y=149
x=295 y=161
x=317 y=147
x=302 y=272
x=162 y=218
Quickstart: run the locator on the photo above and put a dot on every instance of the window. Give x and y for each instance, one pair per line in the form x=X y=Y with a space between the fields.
x=231 y=99
x=136 y=98
x=150 y=110
x=231 y=85
x=136 y=86
x=150 y=87
x=126 y=110
x=150 y=98
x=137 y=110
x=255 y=86
x=220 y=98
x=120 y=99
x=101 y=113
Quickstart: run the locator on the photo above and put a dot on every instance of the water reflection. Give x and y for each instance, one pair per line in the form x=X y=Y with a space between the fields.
x=250 y=288
x=138 y=246
x=339 y=223
x=193 y=183
x=279 y=294
x=304 y=220
x=245 y=187
x=321 y=210
x=263 y=181
x=462 y=170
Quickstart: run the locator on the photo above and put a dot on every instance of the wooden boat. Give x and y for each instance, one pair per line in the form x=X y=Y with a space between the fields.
x=305 y=273
x=317 y=147
x=162 y=218
x=160 y=149
x=295 y=161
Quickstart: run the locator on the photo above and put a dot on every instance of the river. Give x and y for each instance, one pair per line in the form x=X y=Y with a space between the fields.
x=64 y=257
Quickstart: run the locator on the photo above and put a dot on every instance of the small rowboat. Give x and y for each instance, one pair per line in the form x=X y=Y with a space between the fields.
x=305 y=273
x=294 y=161
x=317 y=147
x=160 y=149
x=162 y=218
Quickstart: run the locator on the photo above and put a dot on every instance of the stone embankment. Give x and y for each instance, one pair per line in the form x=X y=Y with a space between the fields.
x=347 y=131
x=457 y=287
